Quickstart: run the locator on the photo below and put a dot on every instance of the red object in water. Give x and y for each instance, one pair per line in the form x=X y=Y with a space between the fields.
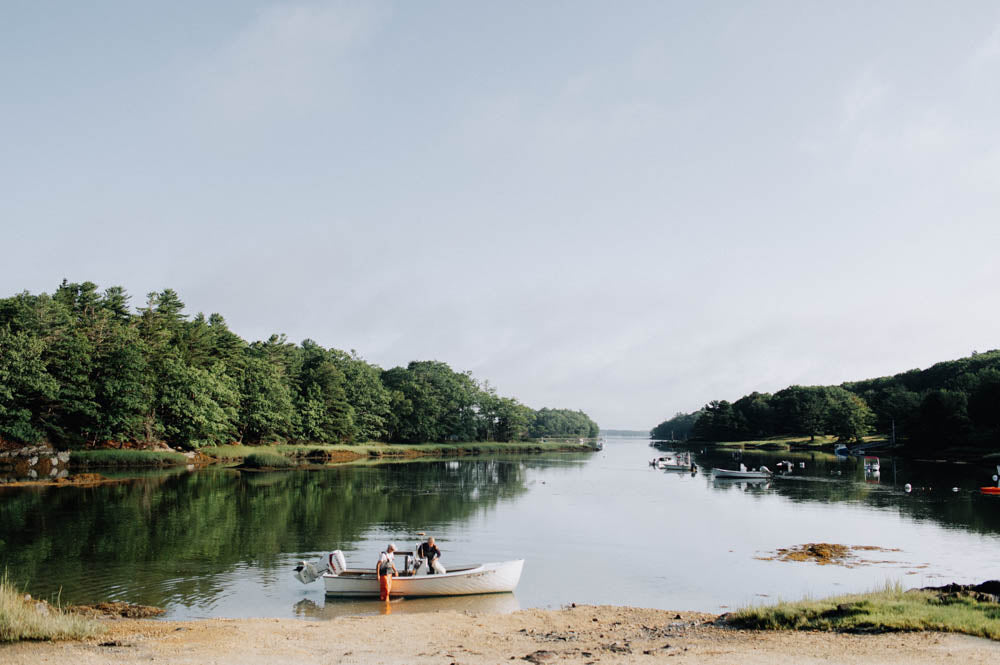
x=990 y=490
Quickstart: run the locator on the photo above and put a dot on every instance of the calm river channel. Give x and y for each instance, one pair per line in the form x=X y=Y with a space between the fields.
x=599 y=528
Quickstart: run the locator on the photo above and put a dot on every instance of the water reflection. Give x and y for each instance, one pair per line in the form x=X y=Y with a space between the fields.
x=218 y=542
x=176 y=535
x=741 y=483
x=945 y=493
x=332 y=608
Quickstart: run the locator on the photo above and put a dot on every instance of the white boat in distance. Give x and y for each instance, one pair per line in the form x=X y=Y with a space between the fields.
x=743 y=473
x=678 y=462
x=339 y=580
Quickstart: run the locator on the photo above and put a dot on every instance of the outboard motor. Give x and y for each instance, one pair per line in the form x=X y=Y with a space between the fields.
x=306 y=572
x=336 y=563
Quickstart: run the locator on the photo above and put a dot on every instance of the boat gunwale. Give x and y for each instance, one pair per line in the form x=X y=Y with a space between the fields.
x=370 y=573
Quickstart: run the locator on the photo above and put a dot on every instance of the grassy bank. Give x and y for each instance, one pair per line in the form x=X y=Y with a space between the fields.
x=113 y=457
x=267 y=460
x=786 y=442
x=888 y=610
x=22 y=619
x=374 y=450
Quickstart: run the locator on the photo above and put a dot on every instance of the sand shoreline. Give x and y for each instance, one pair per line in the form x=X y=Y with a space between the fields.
x=582 y=634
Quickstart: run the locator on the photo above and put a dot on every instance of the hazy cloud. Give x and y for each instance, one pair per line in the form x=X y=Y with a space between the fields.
x=630 y=211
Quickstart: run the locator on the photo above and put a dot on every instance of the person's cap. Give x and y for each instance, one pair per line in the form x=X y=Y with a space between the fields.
x=391 y=547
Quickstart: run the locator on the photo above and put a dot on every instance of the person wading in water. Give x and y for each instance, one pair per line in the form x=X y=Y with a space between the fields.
x=385 y=569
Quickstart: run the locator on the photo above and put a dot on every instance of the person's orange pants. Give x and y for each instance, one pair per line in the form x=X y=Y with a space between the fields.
x=384 y=586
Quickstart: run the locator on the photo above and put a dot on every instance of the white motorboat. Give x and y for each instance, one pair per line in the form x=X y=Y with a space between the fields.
x=339 y=580
x=678 y=462
x=743 y=473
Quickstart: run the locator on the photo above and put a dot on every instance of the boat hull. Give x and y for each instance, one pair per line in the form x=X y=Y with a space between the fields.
x=990 y=490
x=486 y=578
x=741 y=475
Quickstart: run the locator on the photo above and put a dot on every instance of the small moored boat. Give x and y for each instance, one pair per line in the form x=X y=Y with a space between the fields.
x=339 y=580
x=678 y=462
x=743 y=473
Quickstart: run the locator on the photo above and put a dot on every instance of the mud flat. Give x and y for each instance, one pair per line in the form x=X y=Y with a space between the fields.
x=582 y=634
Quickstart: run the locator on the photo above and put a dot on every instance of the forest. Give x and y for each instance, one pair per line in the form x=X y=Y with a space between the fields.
x=80 y=368
x=953 y=404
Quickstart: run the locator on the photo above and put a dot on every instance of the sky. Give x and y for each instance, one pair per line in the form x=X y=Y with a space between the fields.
x=625 y=208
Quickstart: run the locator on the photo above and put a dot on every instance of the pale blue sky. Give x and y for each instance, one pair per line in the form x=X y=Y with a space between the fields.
x=629 y=208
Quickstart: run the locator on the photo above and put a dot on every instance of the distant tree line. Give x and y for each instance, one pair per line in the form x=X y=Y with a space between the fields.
x=79 y=367
x=951 y=404
x=626 y=433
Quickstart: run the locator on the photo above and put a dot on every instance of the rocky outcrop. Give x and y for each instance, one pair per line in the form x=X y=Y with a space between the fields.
x=985 y=592
x=33 y=462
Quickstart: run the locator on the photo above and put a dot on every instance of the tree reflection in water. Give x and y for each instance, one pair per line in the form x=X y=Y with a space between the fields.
x=169 y=538
x=831 y=479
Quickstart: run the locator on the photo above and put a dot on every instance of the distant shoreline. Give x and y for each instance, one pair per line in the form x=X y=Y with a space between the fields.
x=54 y=469
x=960 y=455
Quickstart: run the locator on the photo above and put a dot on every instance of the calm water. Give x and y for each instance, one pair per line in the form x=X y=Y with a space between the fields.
x=599 y=528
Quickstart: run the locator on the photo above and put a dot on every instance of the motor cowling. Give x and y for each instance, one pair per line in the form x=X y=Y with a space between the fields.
x=306 y=572
x=336 y=563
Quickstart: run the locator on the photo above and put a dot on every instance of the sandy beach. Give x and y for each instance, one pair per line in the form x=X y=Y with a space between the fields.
x=582 y=634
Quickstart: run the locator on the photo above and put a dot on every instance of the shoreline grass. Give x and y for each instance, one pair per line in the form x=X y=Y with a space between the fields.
x=372 y=449
x=784 y=442
x=267 y=460
x=114 y=457
x=890 y=609
x=22 y=619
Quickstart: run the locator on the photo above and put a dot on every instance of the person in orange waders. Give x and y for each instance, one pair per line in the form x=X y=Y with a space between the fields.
x=385 y=569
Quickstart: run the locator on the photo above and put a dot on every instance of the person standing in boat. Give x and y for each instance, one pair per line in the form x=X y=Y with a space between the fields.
x=430 y=552
x=385 y=569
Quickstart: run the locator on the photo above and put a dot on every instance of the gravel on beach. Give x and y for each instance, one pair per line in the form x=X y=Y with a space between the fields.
x=581 y=634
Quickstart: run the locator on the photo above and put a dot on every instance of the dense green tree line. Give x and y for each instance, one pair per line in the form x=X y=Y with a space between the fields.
x=953 y=403
x=677 y=428
x=79 y=367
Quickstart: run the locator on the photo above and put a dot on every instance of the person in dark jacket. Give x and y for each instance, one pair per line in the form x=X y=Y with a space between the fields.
x=430 y=552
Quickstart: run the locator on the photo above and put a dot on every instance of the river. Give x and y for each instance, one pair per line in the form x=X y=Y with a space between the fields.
x=601 y=528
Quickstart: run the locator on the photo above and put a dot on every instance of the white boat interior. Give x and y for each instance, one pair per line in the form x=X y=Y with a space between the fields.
x=414 y=579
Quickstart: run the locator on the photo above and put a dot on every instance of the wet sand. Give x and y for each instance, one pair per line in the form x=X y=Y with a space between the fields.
x=583 y=634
